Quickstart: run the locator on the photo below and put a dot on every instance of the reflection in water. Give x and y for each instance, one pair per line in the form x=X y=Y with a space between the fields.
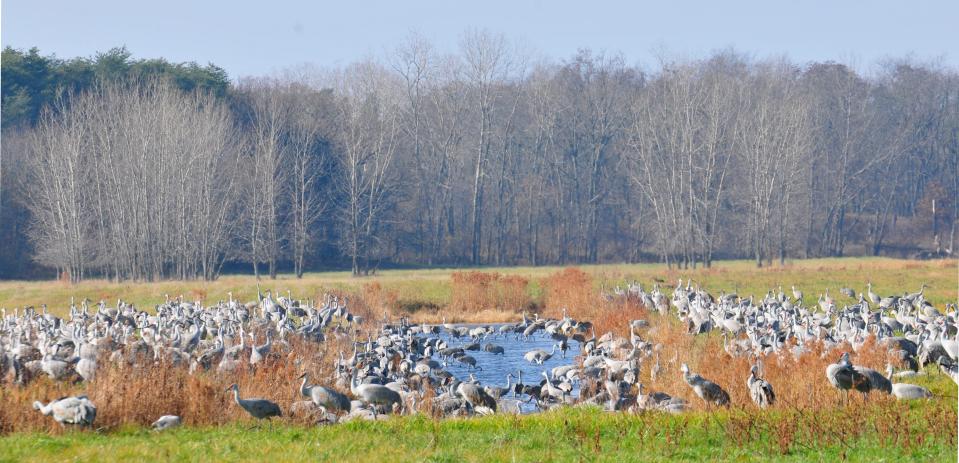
x=492 y=368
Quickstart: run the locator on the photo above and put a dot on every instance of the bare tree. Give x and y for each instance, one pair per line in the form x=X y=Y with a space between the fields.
x=127 y=180
x=368 y=111
x=488 y=64
x=772 y=140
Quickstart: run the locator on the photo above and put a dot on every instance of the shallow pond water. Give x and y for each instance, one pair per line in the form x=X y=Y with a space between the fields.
x=493 y=368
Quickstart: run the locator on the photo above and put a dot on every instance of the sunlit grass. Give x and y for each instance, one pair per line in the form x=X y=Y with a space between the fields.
x=806 y=425
x=813 y=277
x=857 y=434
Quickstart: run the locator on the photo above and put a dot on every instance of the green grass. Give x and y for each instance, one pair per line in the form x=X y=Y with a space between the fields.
x=884 y=431
x=813 y=276
x=566 y=435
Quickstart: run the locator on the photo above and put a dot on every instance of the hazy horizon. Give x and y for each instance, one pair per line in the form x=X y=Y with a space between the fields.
x=246 y=40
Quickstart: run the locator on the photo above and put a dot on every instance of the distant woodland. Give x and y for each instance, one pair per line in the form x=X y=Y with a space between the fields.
x=123 y=168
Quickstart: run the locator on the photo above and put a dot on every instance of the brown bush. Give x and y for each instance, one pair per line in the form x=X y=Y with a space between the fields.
x=571 y=289
x=477 y=291
x=379 y=298
x=614 y=317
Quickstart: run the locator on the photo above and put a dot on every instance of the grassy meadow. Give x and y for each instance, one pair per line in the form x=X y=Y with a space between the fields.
x=433 y=288
x=894 y=432
x=806 y=424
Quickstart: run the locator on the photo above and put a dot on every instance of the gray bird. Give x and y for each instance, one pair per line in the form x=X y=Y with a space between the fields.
x=759 y=389
x=69 y=410
x=906 y=391
x=256 y=407
x=705 y=389
x=167 y=422
x=476 y=396
x=374 y=394
x=324 y=397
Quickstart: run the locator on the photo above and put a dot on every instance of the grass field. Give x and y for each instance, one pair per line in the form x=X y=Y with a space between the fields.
x=894 y=432
x=813 y=277
x=805 y=425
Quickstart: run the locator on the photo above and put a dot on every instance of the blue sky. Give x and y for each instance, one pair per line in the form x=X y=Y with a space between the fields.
x=255 y=38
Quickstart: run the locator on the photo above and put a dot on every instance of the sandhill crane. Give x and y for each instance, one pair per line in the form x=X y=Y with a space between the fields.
x=467 y=360
x=848 y=292
x=875 y=381
x=707 y=390
x=759 y=389
x=476 y=396
x=449 y=327
x=258 y=353
x=256 y=407
x=842 y=376
x=374 y=394
x=69 y=410
x=905 y=391
x=872 y=296
x=324 y=397
x=166 y=422
x=55 y=368
x=912 y=297
x=539 y=356
x=532 y=390
x=494 y=349
x=797 y=294
x=552 y=391
x=497 y=392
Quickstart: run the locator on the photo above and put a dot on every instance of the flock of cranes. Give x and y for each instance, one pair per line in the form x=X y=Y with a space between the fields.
x=404 y=368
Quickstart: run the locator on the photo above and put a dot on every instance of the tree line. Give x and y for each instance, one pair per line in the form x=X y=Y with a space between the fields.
x=483 y=156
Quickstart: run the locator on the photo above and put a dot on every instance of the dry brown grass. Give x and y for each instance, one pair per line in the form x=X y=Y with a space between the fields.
x=571 y=289
x=477 y=291
x=616 y=317
x=799 y=383
x=138 y=395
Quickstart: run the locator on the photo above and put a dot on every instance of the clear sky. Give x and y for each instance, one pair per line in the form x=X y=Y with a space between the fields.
x=255 y=38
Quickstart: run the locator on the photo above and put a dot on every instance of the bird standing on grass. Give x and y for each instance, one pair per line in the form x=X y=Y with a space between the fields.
x=843 y=376
x=759 y=389
x=374 y=394
x=707 y=390
x=256 y=407
x=324 y=397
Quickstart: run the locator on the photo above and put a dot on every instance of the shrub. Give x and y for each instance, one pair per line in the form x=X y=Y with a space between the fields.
x=476 y=291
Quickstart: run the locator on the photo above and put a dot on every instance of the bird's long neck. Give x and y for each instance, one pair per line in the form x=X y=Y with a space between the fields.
x=236 y=395
x=303 y=389
x=353 y=382
x=44 y=409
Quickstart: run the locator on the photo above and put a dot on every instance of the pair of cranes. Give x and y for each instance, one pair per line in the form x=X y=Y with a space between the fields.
x=845 y=376
x=760 y=391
